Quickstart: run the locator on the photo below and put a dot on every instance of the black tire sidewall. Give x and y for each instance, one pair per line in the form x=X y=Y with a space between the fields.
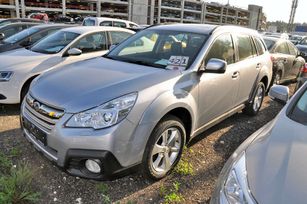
x=164 y=124
x=249 y=110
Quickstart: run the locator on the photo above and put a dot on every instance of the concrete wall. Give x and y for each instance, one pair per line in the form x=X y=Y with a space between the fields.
x=139 y=11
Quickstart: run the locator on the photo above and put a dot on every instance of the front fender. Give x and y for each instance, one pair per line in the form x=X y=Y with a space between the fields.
x=167 y=102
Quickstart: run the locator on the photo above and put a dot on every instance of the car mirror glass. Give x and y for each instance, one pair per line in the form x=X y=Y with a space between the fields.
x=2 y=36
x=74 y=52
x=279 y=93
x=215 y=66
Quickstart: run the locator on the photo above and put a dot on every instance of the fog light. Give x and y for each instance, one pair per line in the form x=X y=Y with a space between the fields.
x=93 y=166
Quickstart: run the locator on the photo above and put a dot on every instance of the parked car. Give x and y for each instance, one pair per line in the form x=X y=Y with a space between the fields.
x=13 y=28
x=139 y=107
x=39 y=16
x=269 y=167
x=302 y=46
x=295 y=38
x=18 y=68
x=302 y=77
x=29 y=36
x=17 y=20
x=287 y=61
x=102 y=21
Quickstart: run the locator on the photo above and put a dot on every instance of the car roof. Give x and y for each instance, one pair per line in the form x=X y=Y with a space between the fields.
x=203 y=28
x=110 y=19
x=43 y=26
x=89 y=29
x=20 y=23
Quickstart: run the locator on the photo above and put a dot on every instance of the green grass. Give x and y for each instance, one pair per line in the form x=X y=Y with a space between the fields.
x=15 y=152
x=103 y=189
x=173 y=195
x=16 y=186
x=184 y=168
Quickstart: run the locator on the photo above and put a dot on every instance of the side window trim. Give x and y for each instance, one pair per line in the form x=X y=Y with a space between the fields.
x=214 y=40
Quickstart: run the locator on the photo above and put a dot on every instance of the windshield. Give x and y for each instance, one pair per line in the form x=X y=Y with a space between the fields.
x=299 y=113
x=21 y=35
x=88 y=22
x=55 y=42
x=269 y=43
x=160 y=49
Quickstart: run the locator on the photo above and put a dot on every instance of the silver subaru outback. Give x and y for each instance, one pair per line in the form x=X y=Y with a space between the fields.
x=138 y=105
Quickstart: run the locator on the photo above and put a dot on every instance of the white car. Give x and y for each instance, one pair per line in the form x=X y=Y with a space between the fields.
x=103 y=21
x=18 y=68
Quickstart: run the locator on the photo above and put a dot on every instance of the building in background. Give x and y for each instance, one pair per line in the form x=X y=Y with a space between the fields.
x=140 y=11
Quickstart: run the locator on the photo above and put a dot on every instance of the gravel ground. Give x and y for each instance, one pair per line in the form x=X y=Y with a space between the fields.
x=207 y=153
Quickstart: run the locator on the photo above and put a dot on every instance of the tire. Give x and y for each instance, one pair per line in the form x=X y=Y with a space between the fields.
x=24 y=91
x=167 y=150
x=253 y=108
x=277 y=78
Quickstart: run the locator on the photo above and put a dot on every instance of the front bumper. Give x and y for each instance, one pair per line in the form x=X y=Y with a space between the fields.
x=119 y=148
x=9 y=93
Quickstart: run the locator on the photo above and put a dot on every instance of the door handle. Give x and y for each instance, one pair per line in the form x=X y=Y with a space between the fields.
x=235 y=75
x=258 y=66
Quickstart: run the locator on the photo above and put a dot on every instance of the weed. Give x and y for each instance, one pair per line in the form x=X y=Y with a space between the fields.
x=184 y=168
x=103 y=189
x=162 y=190
x=173 y=196
x=16 y=186
x=5 y=164
x=15 y=152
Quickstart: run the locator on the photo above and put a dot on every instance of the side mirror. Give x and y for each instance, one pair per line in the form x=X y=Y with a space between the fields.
x=2 y=36
x=279 y=93
x=74 y=52
x=25 y=43
x=215 y=66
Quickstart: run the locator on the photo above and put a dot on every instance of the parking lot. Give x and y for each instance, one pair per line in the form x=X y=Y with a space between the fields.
x=206 y=156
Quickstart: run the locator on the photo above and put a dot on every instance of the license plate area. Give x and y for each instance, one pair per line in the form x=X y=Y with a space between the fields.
x=35 y=131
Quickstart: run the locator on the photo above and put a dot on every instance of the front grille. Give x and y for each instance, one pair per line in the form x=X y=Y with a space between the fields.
x=41 y=115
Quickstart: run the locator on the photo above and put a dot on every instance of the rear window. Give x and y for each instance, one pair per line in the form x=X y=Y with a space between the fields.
x=269 y=43
x=282 y=48
x=299 y=113
x=119 y=24
x=88 y=22
x=260 y=47
x=245 y=47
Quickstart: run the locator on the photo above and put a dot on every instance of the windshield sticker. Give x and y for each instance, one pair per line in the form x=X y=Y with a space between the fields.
x=177 y=63
x=162 y=62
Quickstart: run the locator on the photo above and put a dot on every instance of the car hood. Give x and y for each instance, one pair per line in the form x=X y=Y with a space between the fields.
x=302 y=47
x=22 y=59
x=277 y=164
x=7 y=47
x=84 y=85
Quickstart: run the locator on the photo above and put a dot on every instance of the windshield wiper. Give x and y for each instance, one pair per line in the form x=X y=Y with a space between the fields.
x=139 y=62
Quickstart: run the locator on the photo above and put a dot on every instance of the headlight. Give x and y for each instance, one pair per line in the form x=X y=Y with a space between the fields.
x=235 y=189
x=5 y=75
x=105 y=115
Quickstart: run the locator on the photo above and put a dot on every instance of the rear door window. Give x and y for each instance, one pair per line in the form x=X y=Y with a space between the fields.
x=223 y=49
x=282 y=48
x=259 y=46
x=106 y=23
x=245 y=47
x=119 y=24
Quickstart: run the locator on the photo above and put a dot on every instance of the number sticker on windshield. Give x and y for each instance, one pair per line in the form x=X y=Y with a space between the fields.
x=177 y=63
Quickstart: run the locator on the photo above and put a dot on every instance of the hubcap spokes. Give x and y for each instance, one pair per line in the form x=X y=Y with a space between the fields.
x=258 y=99
x=166 y=150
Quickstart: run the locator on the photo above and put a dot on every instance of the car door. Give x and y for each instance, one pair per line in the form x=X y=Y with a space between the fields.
x=217 y=92
x=248 y=64
x=285 y=58
x=92 y=45
x=297 y=63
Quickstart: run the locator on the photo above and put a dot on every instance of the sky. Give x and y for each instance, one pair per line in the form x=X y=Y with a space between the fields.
x=274 y=9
